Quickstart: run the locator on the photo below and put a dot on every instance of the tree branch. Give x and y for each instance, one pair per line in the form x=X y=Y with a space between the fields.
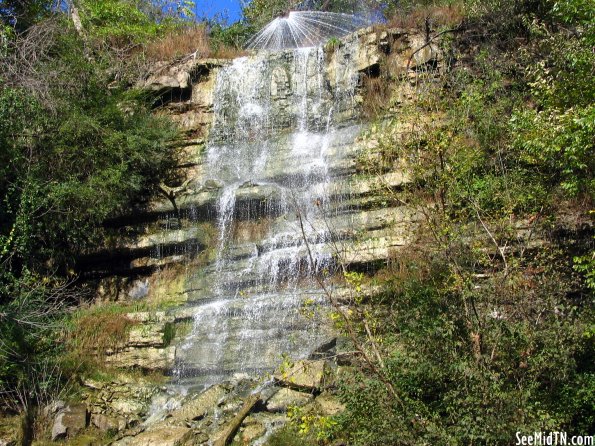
x=429 y=41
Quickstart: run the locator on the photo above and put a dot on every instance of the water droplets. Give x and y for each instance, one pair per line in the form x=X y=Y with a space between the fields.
x=305 y=29
x=268 y=146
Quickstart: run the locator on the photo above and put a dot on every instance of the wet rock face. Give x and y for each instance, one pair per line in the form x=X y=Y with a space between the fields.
x=196 y=408
x=277 y=117
x=108 y=424
x=270 y=141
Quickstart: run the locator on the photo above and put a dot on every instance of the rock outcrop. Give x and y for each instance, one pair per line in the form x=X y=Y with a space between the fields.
x=184 y=91
x=168 y=248
x=119 y=403
x=70 y=421
x=242 y=409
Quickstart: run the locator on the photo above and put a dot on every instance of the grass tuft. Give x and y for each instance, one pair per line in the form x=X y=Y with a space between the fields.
x=437 y=17
x=189 y=40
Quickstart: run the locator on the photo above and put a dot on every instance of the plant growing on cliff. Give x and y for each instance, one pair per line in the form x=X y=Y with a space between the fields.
x=486 y=329
x=75 y=150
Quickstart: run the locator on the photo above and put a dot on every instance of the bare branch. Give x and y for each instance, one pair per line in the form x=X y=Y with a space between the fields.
x=428 y=42
x=376 y=367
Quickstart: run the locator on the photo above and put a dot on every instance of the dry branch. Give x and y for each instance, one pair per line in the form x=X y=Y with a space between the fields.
x=377 y=366
x=429 y=41
x=226 y=436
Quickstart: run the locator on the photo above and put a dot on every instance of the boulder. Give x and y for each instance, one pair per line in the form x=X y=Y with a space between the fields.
x=424 y=53
x=252 y=432
x=53 y=408
x=69 y=421
x=106 y=423
x=307 y=375
x=173 y=79
x=285 y=398
x=128 y=406
x=124 y=397
x=164 y=436
x=199 y=406
x=179 y=74
x=324 y=350
x=368 y=56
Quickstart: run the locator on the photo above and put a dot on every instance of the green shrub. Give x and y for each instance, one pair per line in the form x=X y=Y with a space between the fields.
x=75 y=150
x=483 y=334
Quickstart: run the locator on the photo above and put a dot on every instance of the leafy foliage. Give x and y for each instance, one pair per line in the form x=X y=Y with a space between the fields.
x=483 y=331
x=70 y=158
x=232 y=36
x=260 y=12
x=120 y=20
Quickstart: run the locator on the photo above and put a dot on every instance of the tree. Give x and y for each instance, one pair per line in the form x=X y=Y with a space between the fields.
x=75 y=149
x=21 y=14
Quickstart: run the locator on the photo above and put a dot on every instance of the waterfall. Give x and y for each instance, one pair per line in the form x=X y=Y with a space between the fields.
x=278 y=117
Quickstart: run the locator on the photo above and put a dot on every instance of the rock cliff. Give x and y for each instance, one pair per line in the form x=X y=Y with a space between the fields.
x=168 y=251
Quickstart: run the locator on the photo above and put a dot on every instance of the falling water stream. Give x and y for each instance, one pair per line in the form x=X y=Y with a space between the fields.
x=279 y=126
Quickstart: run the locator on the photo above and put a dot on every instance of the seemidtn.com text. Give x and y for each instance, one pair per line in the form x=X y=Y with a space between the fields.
x=553 y=438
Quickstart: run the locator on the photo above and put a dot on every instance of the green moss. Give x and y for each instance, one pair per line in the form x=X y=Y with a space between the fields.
x=169 y=333
x=290 y=436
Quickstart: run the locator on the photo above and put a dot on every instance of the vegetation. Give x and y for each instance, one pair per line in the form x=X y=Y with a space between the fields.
x=483 y=328
x=485 y=325
x=259 y=12
x=76 y=147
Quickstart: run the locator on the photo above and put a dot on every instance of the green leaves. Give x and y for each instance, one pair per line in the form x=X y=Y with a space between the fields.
x=496 y=335
x=574 y=11
x=63 y=171
x=560 y=145
x=586 y=265
x=260 y=12
x=118 y=20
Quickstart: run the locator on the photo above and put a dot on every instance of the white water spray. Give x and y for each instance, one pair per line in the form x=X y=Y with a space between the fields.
x=268 y=148
x=305 y=29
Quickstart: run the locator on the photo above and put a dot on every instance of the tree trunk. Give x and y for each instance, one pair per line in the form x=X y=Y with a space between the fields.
x=226 y=435
x=76 y=19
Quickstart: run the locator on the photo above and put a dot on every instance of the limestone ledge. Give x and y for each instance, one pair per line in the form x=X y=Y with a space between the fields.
x=147 y=345
x=249 y=195
x=164 y=247
x=204 y=418
x=148 y=358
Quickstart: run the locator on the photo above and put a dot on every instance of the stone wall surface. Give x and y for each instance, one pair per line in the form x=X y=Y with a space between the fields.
x=167 y=251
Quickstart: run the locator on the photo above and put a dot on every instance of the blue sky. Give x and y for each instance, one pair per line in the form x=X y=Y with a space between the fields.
x=229 y=9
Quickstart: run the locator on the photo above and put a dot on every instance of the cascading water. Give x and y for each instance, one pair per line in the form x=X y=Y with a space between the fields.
x=305 y=28
x=277 y=118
